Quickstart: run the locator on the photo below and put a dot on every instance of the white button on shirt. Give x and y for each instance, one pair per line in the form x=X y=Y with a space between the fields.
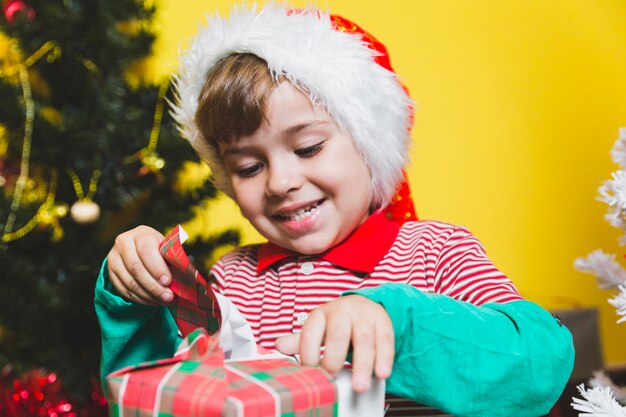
x=272 y=298
x=301 y=318
x=307 y=268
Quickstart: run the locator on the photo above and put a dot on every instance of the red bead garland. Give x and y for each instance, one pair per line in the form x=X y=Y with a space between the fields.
x=13 y=7
x=40 y=394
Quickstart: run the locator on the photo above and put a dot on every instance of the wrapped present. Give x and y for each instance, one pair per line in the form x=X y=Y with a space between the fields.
x=198 y=382
x=219 y=370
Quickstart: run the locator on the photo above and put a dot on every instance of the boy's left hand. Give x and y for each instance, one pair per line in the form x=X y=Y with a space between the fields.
x=352 y=319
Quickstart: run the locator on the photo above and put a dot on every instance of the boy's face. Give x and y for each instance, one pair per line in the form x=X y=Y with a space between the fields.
x=299 y=179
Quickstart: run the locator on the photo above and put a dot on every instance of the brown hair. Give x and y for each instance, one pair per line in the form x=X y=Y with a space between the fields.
x=232 y=101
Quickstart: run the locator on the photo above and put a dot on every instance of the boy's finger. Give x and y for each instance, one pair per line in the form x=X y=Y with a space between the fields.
x=139 y=280
x=149 y=288
x=385 y=348
x=311 y=338
x=125 y=284
x=336 y=342
x=147 y=246
x=288 y=345
x=363 y=355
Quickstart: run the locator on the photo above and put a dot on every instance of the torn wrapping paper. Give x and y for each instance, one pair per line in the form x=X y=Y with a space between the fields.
x=219 y=370
x=197 y=305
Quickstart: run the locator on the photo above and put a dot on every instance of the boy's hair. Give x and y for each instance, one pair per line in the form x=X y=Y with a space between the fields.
x=232 y=101
x=341 y=67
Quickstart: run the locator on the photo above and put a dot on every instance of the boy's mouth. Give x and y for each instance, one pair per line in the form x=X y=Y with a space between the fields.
x=302 y=213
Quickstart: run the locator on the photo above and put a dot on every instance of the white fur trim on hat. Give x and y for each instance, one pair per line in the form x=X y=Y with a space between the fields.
x=335 y=67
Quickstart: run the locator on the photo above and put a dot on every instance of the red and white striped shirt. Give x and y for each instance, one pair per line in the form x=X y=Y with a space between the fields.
x=276 y=289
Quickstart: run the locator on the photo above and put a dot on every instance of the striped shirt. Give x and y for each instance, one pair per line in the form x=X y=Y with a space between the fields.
x=275 y=289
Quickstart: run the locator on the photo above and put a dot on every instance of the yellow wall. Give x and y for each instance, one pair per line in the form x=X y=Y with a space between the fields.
x=519 y=105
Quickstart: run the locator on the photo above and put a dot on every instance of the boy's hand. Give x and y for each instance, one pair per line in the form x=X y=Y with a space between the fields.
x=352 y=319
x=136 y=268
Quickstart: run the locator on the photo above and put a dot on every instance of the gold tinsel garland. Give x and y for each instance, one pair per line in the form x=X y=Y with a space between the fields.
x=84 y=210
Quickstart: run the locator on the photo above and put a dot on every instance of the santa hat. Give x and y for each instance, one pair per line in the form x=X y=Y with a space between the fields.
x=343 y=68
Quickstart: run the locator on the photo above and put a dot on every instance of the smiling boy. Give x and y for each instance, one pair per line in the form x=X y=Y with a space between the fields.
x=298 y=178
x=306 y=127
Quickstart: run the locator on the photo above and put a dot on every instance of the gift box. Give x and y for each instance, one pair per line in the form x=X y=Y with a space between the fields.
x=198 y=382
x=218 y=370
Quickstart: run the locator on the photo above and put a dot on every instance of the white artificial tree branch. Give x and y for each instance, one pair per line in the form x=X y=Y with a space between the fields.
x=608 y=271
x=601 y=379
x=619 y=302
x=615 y=218
x=613 y=193
x=618 y=152
x=597 y=402
x=602 y=400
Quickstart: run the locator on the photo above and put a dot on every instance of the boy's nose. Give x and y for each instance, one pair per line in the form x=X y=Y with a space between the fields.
x=282 y=179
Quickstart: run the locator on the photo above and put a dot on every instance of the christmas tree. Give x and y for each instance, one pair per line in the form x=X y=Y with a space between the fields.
x=88 y=150
x=603 y=398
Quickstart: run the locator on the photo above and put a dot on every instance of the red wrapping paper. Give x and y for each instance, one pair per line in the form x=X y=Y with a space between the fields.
x=198 y=382
x=194 y=303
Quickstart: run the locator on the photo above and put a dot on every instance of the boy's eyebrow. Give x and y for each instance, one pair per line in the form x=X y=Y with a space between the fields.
x=232 y=151
x=287 y=132
x=301 y=126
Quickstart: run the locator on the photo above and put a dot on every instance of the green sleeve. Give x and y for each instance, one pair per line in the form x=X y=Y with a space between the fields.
x=131 y=333
x=496 y=360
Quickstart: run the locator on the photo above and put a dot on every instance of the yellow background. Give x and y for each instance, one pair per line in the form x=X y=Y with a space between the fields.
x=519 y=104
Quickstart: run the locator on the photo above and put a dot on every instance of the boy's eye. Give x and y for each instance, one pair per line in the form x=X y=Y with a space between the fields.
x=249 y=171
x=310 y=151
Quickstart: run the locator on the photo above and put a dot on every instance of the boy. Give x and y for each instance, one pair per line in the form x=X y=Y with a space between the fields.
x=306 y=127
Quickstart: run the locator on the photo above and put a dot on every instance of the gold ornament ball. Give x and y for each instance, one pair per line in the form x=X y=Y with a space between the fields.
x=85 y=211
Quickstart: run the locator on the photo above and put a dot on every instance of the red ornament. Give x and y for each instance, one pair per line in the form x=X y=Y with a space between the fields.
x=40 y=394
x=13 y=7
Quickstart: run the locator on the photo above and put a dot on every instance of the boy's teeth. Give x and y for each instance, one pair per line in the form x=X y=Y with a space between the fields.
x=301 y=213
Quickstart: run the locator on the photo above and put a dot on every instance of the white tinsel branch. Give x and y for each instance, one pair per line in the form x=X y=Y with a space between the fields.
x=602 y=399
x=613 y=193
x=619 y=302
x=615 y=218
x=618 y=152
x=601 y=379
x=608 y=271
x=597 y=402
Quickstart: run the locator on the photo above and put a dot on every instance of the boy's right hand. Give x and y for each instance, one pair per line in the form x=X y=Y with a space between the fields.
x=136 y=268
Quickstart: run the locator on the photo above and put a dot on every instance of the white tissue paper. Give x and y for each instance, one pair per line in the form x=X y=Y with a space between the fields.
x=237 y=342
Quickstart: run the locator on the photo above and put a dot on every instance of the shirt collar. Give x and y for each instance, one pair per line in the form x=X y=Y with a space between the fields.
x=360 y=251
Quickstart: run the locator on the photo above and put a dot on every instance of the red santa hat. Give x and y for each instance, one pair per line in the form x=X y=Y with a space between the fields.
x=342 y=68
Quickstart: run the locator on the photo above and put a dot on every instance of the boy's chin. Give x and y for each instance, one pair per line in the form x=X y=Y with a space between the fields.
x=312 y=247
